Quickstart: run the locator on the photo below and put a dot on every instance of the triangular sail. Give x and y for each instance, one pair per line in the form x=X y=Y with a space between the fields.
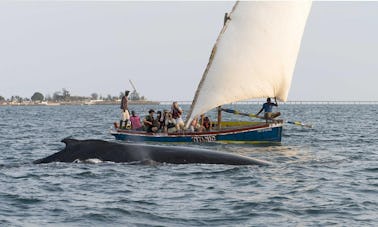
x=254 y=56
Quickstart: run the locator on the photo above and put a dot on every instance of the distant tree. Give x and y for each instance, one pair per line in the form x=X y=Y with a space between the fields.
x=48 y=97
x=57 y=96
x=2 y=99
x=19 y=99
x=94 y=96
x=16 y=98
x=37 y=96
x=77 y=98
x=109 y=97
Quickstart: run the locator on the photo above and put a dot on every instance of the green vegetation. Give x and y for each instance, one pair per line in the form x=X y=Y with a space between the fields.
x=37 y=96
x=94 y=96
x=63 y=96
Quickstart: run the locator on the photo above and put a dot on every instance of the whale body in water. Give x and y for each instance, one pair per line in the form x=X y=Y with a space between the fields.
x=81 y=150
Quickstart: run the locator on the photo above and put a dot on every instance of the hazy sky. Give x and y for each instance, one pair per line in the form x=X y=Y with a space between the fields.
x=163 y=47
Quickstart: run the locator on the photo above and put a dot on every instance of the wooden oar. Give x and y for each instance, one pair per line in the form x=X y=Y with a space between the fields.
x=298 y=123
x=243 y=114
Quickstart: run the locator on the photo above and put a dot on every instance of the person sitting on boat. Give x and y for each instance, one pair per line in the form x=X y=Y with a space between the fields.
x=160 y=118
x=125 y=115
x=268 y=113
x=170 y=123
x=176 y=114
x=206 y=122
x=135 y=121
x=149 y=122
x=195 y=125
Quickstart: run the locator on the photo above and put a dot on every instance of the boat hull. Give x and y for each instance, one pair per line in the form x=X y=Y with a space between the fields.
x=266 y=133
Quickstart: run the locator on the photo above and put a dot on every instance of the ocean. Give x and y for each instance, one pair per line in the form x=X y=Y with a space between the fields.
x=327 y=175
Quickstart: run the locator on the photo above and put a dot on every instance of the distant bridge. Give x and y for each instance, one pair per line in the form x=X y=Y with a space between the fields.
x=291 y=102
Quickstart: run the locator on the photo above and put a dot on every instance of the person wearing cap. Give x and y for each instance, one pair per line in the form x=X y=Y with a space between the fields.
x=125 y=115
x=149 y=122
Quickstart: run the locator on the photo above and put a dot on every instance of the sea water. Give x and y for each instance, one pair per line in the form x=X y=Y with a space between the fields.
x=327 y=175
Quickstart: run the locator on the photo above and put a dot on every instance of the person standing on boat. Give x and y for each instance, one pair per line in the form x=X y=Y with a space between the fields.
x=176 y=114
x=268 y=107
x=125 y=117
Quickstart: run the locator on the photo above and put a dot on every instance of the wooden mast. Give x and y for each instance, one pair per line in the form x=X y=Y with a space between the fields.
x=226 y=18
x=219 y=117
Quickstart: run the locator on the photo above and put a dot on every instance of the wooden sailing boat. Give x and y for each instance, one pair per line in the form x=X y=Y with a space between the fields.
x=253 y=57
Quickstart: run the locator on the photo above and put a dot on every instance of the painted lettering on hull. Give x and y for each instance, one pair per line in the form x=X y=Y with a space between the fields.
x=203 y=139
x=265 y=130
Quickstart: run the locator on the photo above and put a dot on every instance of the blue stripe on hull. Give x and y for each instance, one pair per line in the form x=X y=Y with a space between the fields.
x=268 y=134
x=263 y=135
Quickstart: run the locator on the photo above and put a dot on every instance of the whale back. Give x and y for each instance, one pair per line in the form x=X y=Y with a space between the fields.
x=125 y=152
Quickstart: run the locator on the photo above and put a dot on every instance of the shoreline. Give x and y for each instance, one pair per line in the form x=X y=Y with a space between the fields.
x=79 y=103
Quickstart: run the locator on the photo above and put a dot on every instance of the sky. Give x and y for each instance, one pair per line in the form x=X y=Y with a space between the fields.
x=164 y=47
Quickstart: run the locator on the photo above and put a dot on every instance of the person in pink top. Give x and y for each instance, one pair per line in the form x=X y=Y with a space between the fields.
x=135 y=121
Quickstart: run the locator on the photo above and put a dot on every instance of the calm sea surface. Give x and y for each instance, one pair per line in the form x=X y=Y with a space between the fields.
x=327 y=175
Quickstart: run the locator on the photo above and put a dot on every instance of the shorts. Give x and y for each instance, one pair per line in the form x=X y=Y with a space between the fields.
x=270 y=115
x=172 y=130
x=180 y=123
x=125 y=115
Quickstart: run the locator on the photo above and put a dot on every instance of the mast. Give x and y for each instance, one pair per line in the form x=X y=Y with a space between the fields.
x=213 y=51
x=225 y=19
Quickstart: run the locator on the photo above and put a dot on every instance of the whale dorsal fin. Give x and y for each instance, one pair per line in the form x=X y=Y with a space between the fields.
x=69 y=140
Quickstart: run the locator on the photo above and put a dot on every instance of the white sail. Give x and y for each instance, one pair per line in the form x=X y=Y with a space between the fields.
x=254 y=56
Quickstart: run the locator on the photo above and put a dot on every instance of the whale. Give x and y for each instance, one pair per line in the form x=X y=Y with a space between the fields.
x=106 y=151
